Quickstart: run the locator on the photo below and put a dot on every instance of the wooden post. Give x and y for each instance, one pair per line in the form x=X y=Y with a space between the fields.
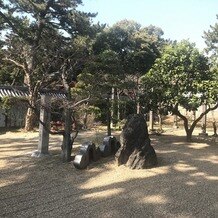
x=43 y=129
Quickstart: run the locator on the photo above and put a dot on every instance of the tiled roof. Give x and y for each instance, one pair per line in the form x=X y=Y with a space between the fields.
x=9 y=91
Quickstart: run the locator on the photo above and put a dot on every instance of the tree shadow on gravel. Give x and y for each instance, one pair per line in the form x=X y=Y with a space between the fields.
x=184 y=184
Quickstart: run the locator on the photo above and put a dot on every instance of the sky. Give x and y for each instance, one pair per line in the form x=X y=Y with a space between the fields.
x=179 y=19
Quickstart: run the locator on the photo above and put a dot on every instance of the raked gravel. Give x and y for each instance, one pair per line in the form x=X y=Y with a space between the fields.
x=184 y=184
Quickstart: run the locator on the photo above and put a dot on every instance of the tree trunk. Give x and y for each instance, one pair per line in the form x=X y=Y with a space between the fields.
x=189 y=135
x=118 y=106
x=188 y=130
x=138 y=108
x=67 y=141
x=151 y=121
x=214 y=128
x=194 y=115
x=204 y=121
x=175 y=122
x=160 y=122
x=112 y=107
x=85 y=117
x=108 y=118
x=6 y=118
x=30 y=119
x=214 y=125
x=109 y=123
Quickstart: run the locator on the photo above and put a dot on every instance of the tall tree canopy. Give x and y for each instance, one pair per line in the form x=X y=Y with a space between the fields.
x=181 y=78
x=211 y=40
x=124 y=52
x=136 y=46
x=35 y=32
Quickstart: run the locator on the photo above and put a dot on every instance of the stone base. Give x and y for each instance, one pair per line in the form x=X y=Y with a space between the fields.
x=39 y=154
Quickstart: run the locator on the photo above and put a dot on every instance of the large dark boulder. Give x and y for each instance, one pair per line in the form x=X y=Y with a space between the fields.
x=136 y=151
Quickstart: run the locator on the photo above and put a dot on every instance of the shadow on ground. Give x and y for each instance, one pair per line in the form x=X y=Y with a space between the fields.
x=184 y=184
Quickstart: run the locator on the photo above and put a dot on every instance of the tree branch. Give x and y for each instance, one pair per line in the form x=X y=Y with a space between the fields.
x=205 y=112
x=13 y=26
x=41 y=21
x=178 y=113
x=15 y=62
x=7 y=20
x=76 y=131
x=64 y=79
x=82 y=101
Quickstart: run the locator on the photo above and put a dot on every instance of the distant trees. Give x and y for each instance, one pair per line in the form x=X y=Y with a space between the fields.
x=121 y=55
x=181 y=78
x=48 y=42
x=211 y=40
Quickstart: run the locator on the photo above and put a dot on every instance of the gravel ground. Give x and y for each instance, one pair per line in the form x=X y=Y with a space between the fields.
x=184 y=184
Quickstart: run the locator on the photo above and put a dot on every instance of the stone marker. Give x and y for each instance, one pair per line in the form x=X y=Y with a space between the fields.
x=45 y=116
x=136 y=151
